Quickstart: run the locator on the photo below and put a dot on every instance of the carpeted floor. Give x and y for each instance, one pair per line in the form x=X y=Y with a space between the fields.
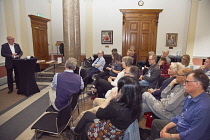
x=18 y=112
x=9 y=100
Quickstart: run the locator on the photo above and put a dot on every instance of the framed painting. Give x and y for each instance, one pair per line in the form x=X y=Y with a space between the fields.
x=107 y=37
x=171 y=39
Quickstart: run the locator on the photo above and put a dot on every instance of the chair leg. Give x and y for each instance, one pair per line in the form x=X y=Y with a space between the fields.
x=35 y=134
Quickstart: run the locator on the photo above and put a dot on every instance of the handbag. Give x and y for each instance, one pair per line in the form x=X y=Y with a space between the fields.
x=104 y=130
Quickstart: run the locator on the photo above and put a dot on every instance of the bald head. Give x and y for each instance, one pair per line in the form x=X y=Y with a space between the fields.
x=10 y=40
x=100 y=53
x=165 y=53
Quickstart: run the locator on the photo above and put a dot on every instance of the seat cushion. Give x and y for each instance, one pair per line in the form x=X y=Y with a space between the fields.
x=46 y=123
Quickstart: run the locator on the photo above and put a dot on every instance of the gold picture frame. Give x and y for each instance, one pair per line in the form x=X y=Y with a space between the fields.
x=171 y=39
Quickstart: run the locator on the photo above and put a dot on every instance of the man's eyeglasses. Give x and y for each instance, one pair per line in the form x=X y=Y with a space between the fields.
x=127 y=73
x=180 y=75
x=189 y=81
x=150 y=59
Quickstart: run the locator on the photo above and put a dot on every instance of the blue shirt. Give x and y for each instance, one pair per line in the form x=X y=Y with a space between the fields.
x=101 y=62
x=193 y=123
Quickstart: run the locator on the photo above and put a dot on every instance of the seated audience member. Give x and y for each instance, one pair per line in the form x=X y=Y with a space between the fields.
x=172 y=98
x=115 y=116
x=131 y=54
x=165 y=55
x=115 y=51
x=102 y=86
x=172 y=71
x=134 y=53
x=206 y=70
x=185 y=60
x=193 y=122
x=150 y=78
x=164 y=66
x=113 y=70
x=97 y=65
x=64 y=84
x=132 y=71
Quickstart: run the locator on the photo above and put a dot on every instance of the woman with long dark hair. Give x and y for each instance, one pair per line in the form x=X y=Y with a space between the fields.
x=121 y=108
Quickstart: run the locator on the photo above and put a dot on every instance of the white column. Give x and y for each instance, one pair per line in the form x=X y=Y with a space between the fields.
x=192 y=28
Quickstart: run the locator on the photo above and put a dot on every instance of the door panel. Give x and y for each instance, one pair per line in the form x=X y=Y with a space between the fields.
x=140 y=30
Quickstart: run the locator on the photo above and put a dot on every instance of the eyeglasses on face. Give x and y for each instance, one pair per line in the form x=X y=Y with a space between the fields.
x=180 y=75
x=189 y=81
x=150 y=59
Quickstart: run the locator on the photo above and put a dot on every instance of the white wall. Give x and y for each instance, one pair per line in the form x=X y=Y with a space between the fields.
x=173 y=19
x=3 y=32
x=32 y=8
x=202 y=39
x=57 y=23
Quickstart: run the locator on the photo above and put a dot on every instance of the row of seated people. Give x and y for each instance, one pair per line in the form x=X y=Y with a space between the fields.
x=171 y=97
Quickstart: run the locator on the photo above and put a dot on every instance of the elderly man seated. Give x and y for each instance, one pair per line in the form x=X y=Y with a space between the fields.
x=172 y=98
x=193 y=122
x=64 y=84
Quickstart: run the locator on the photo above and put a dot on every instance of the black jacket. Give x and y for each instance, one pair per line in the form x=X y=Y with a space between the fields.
x=7 y=53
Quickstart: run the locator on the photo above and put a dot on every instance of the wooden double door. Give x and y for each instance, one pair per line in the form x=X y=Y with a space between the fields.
x=140 y=30
x=40 y=39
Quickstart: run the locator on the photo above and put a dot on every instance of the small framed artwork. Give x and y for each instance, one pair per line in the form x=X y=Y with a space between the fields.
x=107 y=37
x=171 y=39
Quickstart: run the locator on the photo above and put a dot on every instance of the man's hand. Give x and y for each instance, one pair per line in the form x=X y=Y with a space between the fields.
x=140 y=78
x=165 y=135
x=173 y=82
x=202 y=67
x=96 y=65
x=110 y=79
x=150 y=90
x=14 y=54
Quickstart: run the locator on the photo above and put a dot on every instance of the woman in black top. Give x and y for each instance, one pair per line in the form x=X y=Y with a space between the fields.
x=122 y=107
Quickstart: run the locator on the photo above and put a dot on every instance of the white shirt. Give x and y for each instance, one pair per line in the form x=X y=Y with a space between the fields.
x=12 y=48
x=119 y=75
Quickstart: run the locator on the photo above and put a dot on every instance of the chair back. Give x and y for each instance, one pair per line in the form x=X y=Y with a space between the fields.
x=63 y=117
x=74 y=102
x=85 y=80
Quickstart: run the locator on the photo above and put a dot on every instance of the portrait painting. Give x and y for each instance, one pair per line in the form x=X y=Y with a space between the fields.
x=171 y=39
x=107 y=37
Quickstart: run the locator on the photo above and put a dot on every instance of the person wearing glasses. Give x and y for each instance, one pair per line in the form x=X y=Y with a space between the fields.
x=150 y=78
x=10 y=51
x=206 y=70
x=165 y=55
x=193 y=122
x=172 y=98
x=97 y=65
x=185 y=60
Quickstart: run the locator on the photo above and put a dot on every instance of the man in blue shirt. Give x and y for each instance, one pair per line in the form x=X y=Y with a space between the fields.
x=193 y=122
x=97 y=65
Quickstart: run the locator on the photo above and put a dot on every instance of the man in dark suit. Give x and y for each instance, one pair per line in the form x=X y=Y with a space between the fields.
x=10 y=51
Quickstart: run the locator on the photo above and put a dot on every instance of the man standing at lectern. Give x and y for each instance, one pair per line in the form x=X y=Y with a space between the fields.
x=10 y=51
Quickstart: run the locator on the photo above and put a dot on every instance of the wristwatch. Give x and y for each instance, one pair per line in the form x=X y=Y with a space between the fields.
x=171 y=136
